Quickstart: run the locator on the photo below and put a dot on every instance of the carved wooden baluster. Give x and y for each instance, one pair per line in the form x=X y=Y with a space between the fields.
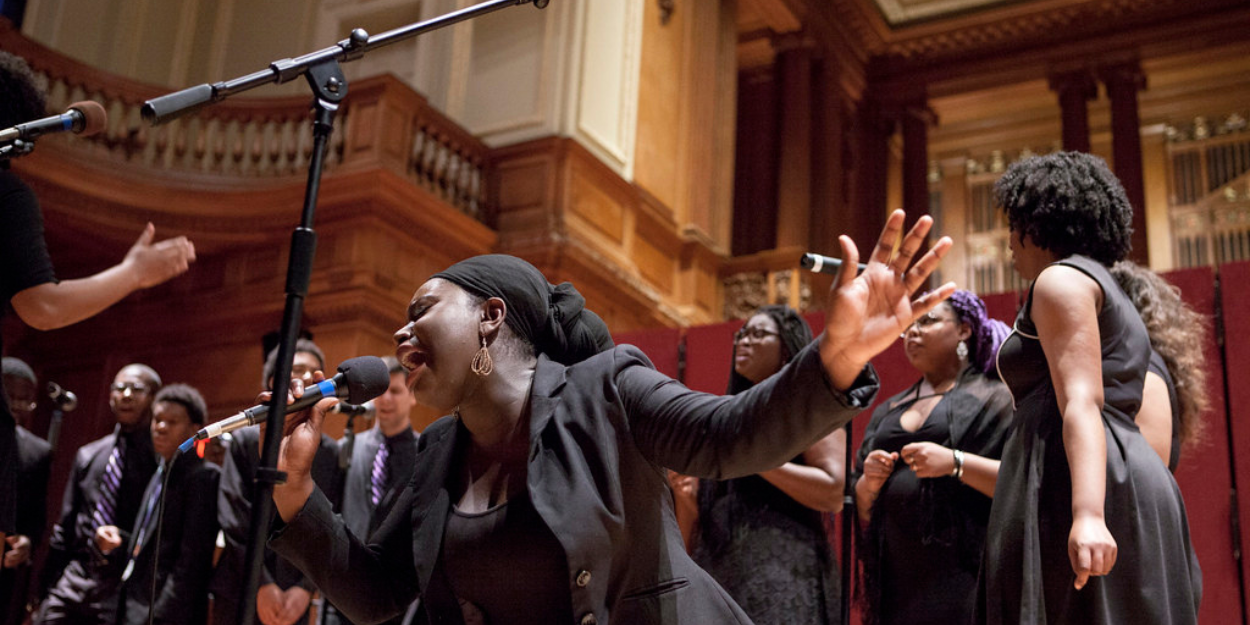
x=218 y=156
x=414 y=154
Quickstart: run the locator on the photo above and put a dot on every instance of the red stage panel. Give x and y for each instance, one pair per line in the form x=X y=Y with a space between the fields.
x=1003 y=306
x=1204 y=473
x=660 y=345
x=709 y=350
x=1235 y=300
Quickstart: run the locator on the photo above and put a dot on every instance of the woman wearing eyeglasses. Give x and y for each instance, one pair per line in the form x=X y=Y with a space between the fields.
x=762 y=536
x=927 y=469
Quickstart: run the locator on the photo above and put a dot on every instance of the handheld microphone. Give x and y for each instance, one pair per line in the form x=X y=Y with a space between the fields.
x=83 y=118
x=358 y=380
x=816 y=263
x=367 y=410
x=64 y=399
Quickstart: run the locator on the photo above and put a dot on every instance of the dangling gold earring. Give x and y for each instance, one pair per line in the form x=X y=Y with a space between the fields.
x=482 y=364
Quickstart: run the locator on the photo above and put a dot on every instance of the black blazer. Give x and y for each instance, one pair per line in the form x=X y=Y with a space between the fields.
x=34 y=464
x=601 y=434
x=358 y=511
x=84 y=578
x=185 y=562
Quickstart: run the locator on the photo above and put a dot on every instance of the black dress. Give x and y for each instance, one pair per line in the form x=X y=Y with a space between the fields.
x=1026 y=575
x=922 y=547
x=768 y=551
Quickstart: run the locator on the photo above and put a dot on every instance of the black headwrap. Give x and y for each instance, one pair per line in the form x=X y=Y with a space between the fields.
x=552 y=318
x=793 y=332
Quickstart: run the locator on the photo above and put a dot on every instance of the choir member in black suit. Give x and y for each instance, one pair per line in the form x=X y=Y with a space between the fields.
x=34 y=462
x=285 y=594
x=382 y=460
x=178 y=533
x=105 y=490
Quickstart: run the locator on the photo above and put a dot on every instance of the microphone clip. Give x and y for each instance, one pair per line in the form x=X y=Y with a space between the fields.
x=16 y=148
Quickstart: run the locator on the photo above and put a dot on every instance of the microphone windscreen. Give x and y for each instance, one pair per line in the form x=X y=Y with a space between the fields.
x=366 y=377
x=94 y=117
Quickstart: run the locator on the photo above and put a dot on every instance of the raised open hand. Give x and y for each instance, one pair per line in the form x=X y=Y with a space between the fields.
x=869 y=311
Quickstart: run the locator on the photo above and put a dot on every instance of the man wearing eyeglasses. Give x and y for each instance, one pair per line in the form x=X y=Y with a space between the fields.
x=285 y=594
x=104 y=492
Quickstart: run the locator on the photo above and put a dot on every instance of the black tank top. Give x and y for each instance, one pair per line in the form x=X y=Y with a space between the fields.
x=508 y=565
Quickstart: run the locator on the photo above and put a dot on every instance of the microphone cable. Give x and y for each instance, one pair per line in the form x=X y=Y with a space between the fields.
x=160 y=523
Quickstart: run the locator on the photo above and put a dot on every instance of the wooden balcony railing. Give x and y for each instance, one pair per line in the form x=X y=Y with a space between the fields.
x=382 y=123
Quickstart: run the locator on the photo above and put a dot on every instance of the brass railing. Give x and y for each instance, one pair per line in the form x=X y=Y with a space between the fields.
x=382 y=123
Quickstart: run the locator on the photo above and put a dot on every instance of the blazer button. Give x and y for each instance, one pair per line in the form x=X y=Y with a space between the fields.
x=589 y=619
x=583 y=579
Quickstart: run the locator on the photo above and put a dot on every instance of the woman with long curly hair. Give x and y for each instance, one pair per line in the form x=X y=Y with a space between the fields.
x=1175 y=395
x=1087 y=525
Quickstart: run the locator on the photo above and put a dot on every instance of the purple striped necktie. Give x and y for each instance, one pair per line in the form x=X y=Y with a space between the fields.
x=149 y=508
x=377 y=481
x=110 y=483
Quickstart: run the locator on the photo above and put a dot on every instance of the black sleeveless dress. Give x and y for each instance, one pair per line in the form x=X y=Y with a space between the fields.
x=1026 y=576
x=768 y=551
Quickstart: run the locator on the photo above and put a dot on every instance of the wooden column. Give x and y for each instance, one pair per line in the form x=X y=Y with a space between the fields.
x=1075 y=89
x=831 y=201
x=915 y=121
x=1123 y=81
x=872 y=162
x=794 y=175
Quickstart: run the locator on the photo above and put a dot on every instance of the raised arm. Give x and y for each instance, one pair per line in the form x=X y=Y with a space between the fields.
x=54 y=305
x=822 y=387
x=1065 y=309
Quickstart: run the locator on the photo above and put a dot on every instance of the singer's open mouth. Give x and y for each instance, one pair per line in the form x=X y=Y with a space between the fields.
x=413 y=361
x=410 y=358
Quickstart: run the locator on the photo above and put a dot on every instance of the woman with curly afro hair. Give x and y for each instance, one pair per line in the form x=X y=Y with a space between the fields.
x=1087 y=524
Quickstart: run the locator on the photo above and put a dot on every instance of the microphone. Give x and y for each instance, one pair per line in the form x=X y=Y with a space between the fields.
x=816 y=263
x=64 y=399
x=358 y=380
x=84 y=118
x=367 y=410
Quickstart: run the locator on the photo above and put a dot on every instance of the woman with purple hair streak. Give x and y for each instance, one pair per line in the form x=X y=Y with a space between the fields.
x=927 y=468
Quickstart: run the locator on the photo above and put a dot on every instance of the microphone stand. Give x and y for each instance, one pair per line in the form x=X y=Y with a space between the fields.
x=848 y=520
x=329 y=86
